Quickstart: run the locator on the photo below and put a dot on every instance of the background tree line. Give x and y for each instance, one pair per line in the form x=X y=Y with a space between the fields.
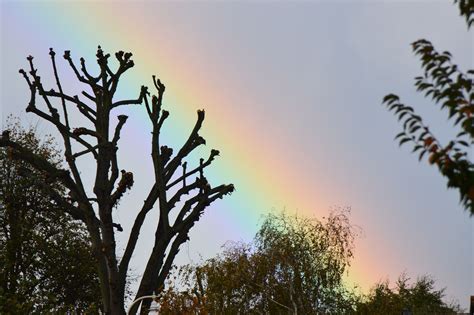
x=294 y=265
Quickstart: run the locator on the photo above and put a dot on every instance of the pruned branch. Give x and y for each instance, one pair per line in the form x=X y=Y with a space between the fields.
x=54 y=116
x=85 y=132
x=181 y=238
x=182 y=227
x=202 y=201
x=90 y=97
x=186 y=189
x=200 y=168
x=193 y=141
x=125 y=183
x=166 y=153
x=157 y=101
x=122 y=120
x=89 y=77
x=114 y=164
x=67 y=56
x=91 y=150
x=135 y=232
x=73 y=99
x=125 y=64
x=58 y=83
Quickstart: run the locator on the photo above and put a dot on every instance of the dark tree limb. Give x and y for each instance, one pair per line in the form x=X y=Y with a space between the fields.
x=108 y=193
x=39 y=86
x=72 y=99
x=125 y=64
x=91 y=150
x=58 y=83
x=158 y=266
x=90 y=97
x=198 y=183
x=67 y=56
x=201 y=201
x=64 y=130
x=200 y=168
x=135 y=232
x=137 y=101
x=89 y=77
x=193 y=141
x=126 y=183
x=41 y=164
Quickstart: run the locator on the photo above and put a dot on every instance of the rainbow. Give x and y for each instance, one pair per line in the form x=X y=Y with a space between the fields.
x=262 y=181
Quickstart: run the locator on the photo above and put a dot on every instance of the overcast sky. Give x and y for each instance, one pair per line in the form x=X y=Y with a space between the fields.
x=292 y=93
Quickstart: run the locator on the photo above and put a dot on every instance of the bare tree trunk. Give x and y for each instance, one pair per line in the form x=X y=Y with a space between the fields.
x=110 y=184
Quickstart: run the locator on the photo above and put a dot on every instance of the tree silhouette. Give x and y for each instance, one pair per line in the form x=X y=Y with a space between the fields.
x=95 y=204
x=454 y=91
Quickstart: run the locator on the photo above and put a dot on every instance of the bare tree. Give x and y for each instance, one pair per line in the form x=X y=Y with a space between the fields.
x=99 y=141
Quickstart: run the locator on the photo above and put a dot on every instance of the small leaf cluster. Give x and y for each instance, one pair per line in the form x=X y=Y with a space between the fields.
x=452 y=90
x=466 y=9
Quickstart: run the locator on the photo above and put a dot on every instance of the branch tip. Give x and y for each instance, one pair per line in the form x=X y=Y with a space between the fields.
x=122 y=118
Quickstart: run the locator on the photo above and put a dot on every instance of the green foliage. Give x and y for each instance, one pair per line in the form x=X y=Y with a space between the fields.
x=420 y=297
x=295 y=265
x=466 y=8
x=46 y=265
x=452 y=89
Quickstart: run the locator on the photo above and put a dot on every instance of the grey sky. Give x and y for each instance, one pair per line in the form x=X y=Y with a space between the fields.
x=311 y=74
